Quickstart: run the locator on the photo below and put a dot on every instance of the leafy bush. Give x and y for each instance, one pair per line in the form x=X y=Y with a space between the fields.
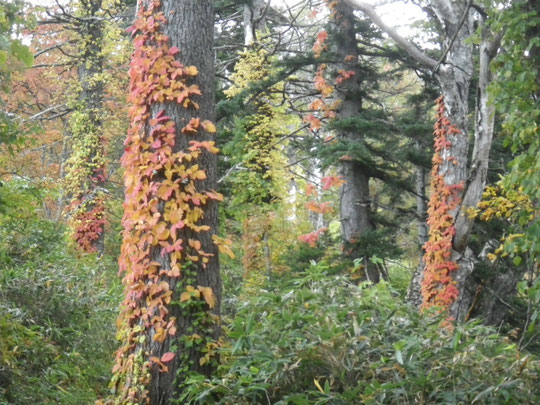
x=319 y=339
x=22 y=352
x=57 y=328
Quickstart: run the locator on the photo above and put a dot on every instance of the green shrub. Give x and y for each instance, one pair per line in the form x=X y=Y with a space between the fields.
x=59 y=309
x=319 y=339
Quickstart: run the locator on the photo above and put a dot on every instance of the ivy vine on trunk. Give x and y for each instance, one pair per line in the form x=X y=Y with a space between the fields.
x=169 y=323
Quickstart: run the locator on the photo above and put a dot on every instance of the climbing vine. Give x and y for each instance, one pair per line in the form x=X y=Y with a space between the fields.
x=163 y=209
x=258 y=149
x=85 y=169
x=84 y=181
x=438 y=287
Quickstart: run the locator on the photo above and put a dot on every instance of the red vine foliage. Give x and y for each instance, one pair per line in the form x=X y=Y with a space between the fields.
x=90 y=226
x=438 y=286
x=161 y=204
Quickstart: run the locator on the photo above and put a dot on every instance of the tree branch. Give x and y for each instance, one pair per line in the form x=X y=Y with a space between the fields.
x=461 y=21
x=403 y=43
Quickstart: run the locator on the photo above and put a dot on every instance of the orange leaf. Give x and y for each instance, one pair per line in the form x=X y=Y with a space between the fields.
x=185 y=296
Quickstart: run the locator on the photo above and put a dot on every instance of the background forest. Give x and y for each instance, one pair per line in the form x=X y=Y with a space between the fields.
x=373 y=202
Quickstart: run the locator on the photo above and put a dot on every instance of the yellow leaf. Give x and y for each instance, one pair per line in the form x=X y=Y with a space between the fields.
x=192 y=70
x=208 y=295
x=160 y=335
x=174 y=216
x=318 y=385
x=185 y=296
x=209 y=126
x=226 y=250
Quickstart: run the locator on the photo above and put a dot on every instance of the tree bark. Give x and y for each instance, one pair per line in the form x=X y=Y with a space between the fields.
x=355 y=201
x=254 y=19
x=86 y=167
x=414 y=292
x=190 y=27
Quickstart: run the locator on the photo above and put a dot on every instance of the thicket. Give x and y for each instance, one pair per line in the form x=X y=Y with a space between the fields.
x=311 y=335
x=57 y=308
x=316 y=337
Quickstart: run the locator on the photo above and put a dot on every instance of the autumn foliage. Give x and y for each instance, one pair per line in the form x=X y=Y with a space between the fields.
x=162 y=203
x=438 y=287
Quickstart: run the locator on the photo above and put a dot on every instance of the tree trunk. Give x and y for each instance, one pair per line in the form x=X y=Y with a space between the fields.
x=414 y=292
x=454 y=72
x=355 y=202
x=254 y=20
x=172 y=307
x=85 y=175
x=489 y=293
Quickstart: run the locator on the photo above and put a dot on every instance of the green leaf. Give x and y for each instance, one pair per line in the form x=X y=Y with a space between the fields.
x=22 y=52
x=484 y=394
x=399 y=357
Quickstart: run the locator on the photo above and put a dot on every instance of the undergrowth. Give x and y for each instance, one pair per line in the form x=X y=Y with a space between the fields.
x=317 y=338
x=57 y=309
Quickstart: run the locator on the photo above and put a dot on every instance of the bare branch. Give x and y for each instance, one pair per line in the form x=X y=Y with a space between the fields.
x=403 y=43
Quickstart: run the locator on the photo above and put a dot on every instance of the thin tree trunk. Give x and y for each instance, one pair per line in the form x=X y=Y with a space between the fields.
x=85 y=171
x=414 y=292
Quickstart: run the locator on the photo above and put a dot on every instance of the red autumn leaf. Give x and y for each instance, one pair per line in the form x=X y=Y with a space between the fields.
x=312 y=238
x=167 y=357
x=173 y=50
x=322 y=36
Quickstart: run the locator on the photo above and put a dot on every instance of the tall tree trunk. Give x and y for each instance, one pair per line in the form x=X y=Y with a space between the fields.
x=260 y=141
x=355 y=202
x=85 y=169
x=170 y=320
x=414 y=292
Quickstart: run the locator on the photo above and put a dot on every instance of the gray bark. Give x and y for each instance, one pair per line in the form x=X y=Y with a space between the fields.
x=489 y=295
x=254 y=19
x=355 y=201
x=414 y=292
